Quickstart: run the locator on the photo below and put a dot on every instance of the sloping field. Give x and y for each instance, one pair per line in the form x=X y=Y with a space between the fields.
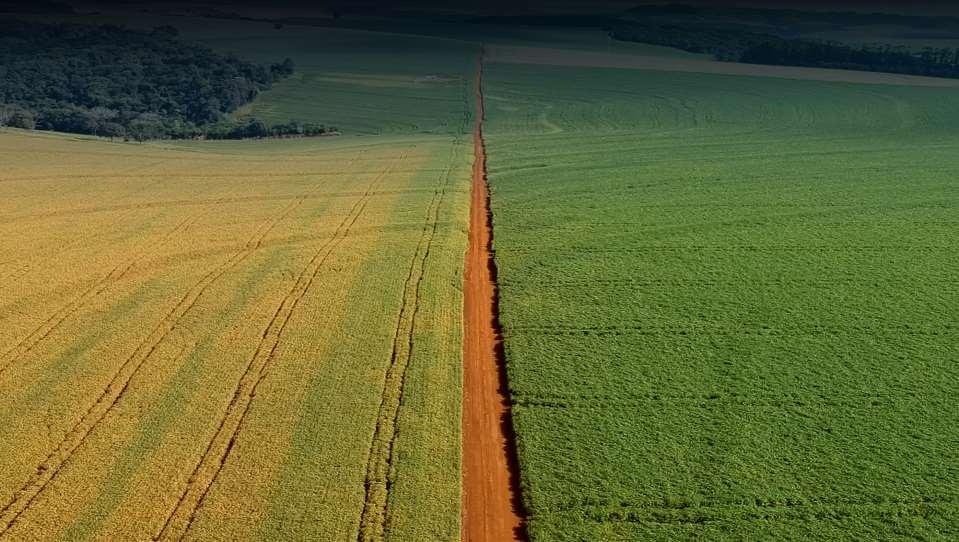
x=361 y=82
x=231 y=341
x=730 y=304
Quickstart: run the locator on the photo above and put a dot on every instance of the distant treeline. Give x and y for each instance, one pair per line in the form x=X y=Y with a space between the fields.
x=721 y=43
x=561 y=21
x=253 y=128
x=110 y=81
x=942 y=62
x=785 y=21
x=35 y=6
x=737 y=45
x=764 y=36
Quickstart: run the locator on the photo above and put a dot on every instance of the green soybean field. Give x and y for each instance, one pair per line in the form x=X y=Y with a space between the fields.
x=730 y=304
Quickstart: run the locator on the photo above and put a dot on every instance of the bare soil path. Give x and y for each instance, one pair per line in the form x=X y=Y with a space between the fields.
x=492 y=508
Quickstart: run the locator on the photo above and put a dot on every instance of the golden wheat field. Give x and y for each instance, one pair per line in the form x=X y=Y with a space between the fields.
x=230 y=341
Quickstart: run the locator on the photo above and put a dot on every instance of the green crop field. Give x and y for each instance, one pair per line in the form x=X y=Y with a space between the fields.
x=250 y=340
x=362 y=82
x=730 y=304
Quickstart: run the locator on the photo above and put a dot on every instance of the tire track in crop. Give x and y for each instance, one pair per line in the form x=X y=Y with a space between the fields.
x=797 y=249
x=48 y=470
x=196 y=202
x=374 y=516
x=554 y=398
x=290 y=175
x=218 y=450
x=869 y=403
x=48 y=326
x=39 y=333
x=632 y=282
x=760 y=508
x=759 y=329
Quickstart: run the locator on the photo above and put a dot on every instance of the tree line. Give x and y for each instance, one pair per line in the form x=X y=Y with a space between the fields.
x=783 y=22
x=110 y=81
x=736 y=45
x=730 y=34
x=934 y=62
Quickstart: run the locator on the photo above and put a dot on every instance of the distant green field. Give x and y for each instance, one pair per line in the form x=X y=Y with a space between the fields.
x=574 y=38
x=730 y=304
x=361 y=82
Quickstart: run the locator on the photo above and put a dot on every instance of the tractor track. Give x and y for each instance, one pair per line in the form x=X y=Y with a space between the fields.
x=374 y=516
x=181 y=203
x=48 y=326
x=48 y=470
x=218 y=450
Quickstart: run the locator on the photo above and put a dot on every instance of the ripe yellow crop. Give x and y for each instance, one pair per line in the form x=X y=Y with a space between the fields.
x=197 y=340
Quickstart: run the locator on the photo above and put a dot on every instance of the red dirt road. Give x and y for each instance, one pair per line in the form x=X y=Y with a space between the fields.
x=492 y=509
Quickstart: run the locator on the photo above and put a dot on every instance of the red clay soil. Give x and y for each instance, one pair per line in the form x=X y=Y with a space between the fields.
x=492 y=508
